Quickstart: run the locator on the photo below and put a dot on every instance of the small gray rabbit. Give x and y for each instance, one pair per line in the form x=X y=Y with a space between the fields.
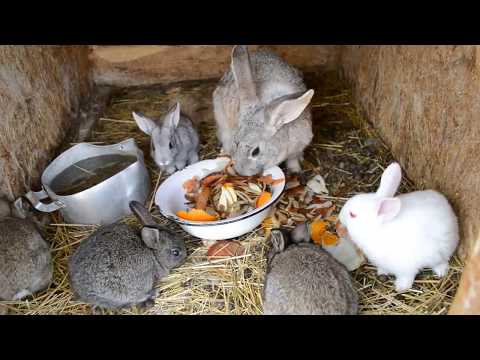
x=304 y=279
x=116 y=268
x=25 y=260
x=174 y=143
x=260 y=107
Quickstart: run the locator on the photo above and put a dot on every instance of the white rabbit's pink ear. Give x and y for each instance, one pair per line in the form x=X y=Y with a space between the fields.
x=388 y=208
x=145 y=124
x=286 y=111
x=242 y=72
x=391 y=178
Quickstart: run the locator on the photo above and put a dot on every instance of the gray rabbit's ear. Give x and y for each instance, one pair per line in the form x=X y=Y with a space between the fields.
x=285 y=111
x=390 y=181
x=172 y=118
x=142 y=214
x=145 y=124
x=242 y=72
x=154 y=238
x=278 y=240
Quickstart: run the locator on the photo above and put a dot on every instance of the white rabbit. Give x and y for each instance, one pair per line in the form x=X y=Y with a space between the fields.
x=402 y=234
x=261 y=111
x=174 y=141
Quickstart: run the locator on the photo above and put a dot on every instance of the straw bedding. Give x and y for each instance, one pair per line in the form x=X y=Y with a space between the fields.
x=345 y=150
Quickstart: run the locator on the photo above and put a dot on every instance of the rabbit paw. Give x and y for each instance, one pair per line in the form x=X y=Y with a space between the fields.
x=293 y=165
x=170 y=170
x=147 y=304
x=208 y=243
x=441 y=270
x=180 y=164
x=96 y=310
x=22 y=294
x=404 y=283
x=193 y=158
x=381 y=271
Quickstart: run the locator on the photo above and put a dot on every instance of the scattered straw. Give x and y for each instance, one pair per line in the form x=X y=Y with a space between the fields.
x=345 y=150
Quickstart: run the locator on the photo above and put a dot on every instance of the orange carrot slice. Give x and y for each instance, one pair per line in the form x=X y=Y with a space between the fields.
x=329 y=239
x=263 y=198
x=317 y=229
x=196 y=215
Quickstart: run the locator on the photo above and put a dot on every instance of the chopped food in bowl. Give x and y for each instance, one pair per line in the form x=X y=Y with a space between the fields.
x=210 y=201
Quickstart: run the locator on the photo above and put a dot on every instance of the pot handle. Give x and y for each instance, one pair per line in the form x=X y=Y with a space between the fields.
x=35 y=196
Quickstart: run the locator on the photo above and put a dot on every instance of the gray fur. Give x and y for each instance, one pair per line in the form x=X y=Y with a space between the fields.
x=175 y=128
x=249 y=115
x=116 y=268
x=303 y=279
x=25 y=260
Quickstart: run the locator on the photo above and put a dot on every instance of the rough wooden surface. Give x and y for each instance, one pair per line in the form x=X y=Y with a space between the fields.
x=41 y=88
x=148 y=64
x=467 y=299
x=425 y=102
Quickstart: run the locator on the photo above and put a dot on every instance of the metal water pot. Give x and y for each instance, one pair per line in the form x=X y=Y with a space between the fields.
x=103 y=203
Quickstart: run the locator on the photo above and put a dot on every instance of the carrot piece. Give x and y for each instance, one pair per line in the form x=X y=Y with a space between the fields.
x=329 y=239
x=210 y=179
x=202 y=198
x=317 y=229
x=263 y=198
x=196 y=215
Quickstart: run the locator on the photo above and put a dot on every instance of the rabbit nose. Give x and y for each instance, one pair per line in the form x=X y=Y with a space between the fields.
x=164 y=163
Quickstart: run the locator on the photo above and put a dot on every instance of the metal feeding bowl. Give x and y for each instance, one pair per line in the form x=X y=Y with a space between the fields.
x=107 y=198
x=170 y=198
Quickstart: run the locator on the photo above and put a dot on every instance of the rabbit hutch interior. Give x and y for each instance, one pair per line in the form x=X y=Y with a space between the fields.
x=370 y=106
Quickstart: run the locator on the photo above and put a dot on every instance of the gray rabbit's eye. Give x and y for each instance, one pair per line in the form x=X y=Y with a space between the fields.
x=175 y=252
x=255 y=151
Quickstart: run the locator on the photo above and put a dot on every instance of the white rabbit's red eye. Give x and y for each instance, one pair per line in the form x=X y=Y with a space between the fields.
x=352 y=215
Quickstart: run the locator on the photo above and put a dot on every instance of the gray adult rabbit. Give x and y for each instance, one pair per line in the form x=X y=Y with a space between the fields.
x=25 y=259
x=116 y=268
x=174 y=142
x=260 y=107
x=304 y=279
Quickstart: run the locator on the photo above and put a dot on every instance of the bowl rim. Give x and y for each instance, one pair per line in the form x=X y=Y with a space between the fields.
x=247 y=215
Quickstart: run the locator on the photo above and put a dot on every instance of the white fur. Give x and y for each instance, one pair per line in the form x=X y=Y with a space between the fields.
x=421 y=233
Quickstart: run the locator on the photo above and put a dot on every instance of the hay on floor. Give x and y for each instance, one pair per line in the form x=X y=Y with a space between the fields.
x=345 y=150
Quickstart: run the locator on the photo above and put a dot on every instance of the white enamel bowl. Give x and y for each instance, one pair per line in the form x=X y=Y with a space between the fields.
x=170 y=198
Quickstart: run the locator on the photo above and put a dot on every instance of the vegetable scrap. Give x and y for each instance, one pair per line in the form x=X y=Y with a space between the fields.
x=320 y=235
x=225 y=194
x=300 y=204
x=226 y=248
